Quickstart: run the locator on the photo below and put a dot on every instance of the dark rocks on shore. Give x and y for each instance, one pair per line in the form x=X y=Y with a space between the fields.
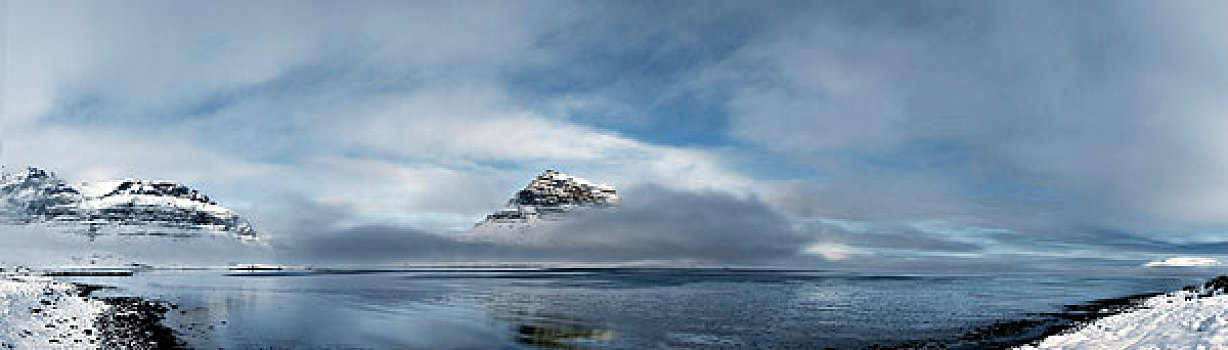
x=131 y=322
x=1215 y=286
x=1019 y=332
x=135 y=323
x=1006 y=334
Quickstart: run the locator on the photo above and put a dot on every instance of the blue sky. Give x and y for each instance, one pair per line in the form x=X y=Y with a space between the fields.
x=875 y=129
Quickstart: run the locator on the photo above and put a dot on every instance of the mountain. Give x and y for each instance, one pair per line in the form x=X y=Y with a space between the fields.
x=549 y=197
x=37 y=193
x=123 y=207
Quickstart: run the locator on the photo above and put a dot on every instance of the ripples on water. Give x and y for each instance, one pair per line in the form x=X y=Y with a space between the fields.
x=618 y=308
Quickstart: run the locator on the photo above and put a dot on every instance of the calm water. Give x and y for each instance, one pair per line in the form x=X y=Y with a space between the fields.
x=617 y=308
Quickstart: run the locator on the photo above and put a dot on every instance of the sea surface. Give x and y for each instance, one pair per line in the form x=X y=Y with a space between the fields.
x=604 y=308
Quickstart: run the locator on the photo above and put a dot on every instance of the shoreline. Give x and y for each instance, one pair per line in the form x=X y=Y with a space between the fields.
x=131 y=322
x=1035 y=332
x=135 y=322
x=1194 y=317
x=41 y=312
x=1009 y=334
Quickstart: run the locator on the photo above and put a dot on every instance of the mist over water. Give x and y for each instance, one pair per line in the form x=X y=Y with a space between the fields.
x=41 y=246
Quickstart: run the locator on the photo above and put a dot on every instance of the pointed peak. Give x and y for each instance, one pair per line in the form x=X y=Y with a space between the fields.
x=553 y=188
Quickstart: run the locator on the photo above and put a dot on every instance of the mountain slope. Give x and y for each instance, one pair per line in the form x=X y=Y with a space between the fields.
x=123 y=207
x=36 y=193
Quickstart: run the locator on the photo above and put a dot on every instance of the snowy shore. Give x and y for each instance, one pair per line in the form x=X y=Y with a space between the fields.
x=1195 y=318
x=40 y=313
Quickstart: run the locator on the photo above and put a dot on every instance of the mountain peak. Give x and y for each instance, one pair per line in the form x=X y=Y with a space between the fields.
x=550 y=196
x=556 y=189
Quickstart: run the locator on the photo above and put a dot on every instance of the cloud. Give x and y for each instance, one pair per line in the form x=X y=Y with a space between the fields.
x=657 y=223
x=653 y=224
x=1042 y=127
x=1095 y=116
x=365 y=105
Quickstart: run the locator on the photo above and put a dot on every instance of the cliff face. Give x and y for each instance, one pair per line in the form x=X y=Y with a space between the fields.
x=551 y=196
x=124 y=207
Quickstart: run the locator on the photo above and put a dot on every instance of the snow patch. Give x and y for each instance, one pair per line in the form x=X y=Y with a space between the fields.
x=1185 y=262
x=99 y=188
x=1194 y=318
x=1176 y=321
x=40 y=313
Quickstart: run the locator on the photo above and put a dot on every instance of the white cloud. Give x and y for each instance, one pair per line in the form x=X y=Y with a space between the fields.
x=1095 y=118
x=981 y=116
x=396 y=111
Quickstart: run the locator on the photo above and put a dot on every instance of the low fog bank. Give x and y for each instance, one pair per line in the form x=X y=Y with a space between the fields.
x=669 y=227
x=39 y=245
x=652 y=224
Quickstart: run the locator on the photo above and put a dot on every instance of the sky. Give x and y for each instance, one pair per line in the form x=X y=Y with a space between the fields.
x=828 y=132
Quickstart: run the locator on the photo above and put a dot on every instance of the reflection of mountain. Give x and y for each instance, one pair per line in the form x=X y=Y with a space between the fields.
x=557 y=332
x=546 y=321
x=123 y=207
x=551 y=196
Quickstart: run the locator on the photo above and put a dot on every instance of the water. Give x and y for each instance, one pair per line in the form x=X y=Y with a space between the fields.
x=616 y=308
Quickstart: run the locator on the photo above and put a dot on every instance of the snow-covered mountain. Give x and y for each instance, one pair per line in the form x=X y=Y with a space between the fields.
x=549 y=197
x=123 y=207
x=35 y=194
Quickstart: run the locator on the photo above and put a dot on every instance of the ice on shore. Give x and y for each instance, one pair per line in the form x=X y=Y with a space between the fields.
x=1186 y=261
x=41 y=313
x=1181 y=320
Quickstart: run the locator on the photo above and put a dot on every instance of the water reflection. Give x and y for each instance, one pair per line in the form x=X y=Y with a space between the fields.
x=558 y=332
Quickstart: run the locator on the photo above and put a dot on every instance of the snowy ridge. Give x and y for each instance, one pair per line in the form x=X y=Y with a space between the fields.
x=1194 y=318
x=147 y=193
x=123 y=207
x=548 y=198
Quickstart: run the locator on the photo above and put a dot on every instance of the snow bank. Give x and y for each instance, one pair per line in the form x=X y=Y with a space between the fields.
x=1181 y=320
x=40 y=313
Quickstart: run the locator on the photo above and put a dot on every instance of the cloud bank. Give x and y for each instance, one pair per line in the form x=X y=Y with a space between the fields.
x=653 y=224
x=852 y=130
